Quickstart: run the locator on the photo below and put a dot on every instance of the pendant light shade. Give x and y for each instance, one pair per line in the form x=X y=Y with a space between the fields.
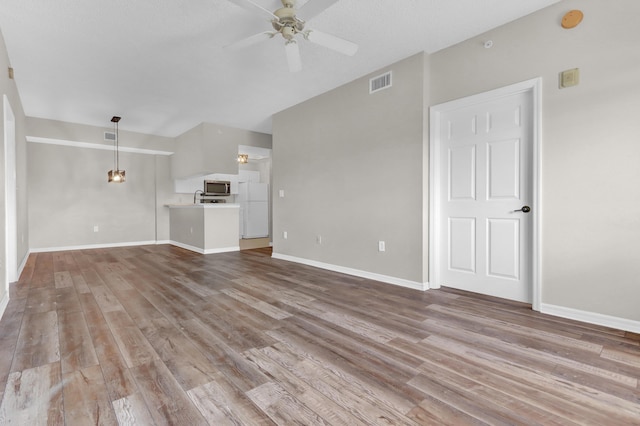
x=116 y=175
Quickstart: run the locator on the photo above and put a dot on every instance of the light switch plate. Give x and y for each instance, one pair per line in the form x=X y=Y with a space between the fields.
x=570 y=78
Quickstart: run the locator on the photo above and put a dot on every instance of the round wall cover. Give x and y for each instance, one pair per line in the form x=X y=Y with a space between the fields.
x=572 y=18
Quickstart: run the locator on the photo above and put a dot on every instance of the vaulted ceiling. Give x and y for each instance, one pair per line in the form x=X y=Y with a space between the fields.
x=163 y=65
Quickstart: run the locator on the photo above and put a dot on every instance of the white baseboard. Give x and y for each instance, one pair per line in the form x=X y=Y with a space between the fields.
x=222 y=250
x=201 y=251
x=4 y=303
x=591 y=317
x=93 y=246
x=23 y=263
x=129 y=244
x=355 y=272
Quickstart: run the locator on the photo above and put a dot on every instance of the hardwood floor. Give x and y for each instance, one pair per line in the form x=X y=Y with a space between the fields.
x=160 y=335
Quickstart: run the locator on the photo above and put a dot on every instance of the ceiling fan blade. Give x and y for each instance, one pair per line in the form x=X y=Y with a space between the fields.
x=293 y=56
x=251 y=40
x=332 y=42
x=313 y=8
x=252 y=7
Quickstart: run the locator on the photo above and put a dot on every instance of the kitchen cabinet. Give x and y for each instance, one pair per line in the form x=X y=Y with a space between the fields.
x=189 y=186
x=205 y=228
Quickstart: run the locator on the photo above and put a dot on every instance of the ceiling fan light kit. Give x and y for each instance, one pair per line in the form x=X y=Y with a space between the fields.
x=285 y=22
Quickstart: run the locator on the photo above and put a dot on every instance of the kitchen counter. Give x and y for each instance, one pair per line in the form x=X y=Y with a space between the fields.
x=205 y=228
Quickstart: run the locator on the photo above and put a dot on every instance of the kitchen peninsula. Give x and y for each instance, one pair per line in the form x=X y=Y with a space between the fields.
x=205 y=228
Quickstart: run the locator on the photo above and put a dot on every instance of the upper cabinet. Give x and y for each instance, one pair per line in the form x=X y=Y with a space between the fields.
x=211 y=148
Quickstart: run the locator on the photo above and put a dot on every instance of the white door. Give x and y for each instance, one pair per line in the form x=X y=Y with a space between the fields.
x=485 y=199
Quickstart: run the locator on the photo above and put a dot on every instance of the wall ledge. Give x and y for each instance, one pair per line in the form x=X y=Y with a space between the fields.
x=93 y=145
x=355 y=272
x=591 y=317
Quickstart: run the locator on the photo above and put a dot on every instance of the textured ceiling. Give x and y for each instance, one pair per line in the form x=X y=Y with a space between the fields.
x=161 y=64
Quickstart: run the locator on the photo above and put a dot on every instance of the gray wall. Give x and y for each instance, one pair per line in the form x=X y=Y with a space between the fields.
x=354 y=170
x=164 y=195
x=212 y=148
x=351 y=164
x=8 y=87
x=69 y=193
x=590 y=146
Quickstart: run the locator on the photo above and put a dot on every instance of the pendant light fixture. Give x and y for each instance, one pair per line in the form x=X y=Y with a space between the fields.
x=243 y=158
x=116 y=175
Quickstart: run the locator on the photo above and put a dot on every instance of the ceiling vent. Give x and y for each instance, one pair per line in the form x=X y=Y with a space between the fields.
x=109 y=136
x=380 y=82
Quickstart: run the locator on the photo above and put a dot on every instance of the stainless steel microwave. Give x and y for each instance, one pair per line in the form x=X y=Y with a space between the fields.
x=217 y=187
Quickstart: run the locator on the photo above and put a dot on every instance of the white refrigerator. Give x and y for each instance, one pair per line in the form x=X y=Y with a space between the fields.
x=253 y=198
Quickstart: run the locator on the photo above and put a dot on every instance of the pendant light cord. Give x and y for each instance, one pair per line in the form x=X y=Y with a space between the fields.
x=117 y=149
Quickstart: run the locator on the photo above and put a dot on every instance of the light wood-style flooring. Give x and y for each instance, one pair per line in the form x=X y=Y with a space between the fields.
x=160 y=335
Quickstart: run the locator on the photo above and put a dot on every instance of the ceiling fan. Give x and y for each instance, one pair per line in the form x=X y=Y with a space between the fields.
x=285 y=22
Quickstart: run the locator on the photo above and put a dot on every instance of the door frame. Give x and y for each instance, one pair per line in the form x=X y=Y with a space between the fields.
x=435 y=185
x=10 y=191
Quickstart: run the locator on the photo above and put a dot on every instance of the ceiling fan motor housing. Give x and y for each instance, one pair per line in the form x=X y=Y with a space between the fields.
x=287 y=24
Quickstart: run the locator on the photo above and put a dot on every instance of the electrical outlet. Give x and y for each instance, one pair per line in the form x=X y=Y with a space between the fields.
x=281 y=193
x=191 y=230
x=381 y=246
x=96 y=228
x=319 y=239
x=284 y=235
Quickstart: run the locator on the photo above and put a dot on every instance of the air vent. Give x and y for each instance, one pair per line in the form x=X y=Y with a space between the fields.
x=380 y=82
x=109 y=136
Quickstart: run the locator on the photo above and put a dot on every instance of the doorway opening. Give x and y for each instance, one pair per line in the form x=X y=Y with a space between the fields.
x=254 y=196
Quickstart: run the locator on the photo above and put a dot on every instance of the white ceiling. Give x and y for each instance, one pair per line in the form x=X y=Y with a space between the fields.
x=161 y=64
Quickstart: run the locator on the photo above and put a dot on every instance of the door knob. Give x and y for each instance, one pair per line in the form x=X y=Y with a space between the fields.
x=524 y=209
